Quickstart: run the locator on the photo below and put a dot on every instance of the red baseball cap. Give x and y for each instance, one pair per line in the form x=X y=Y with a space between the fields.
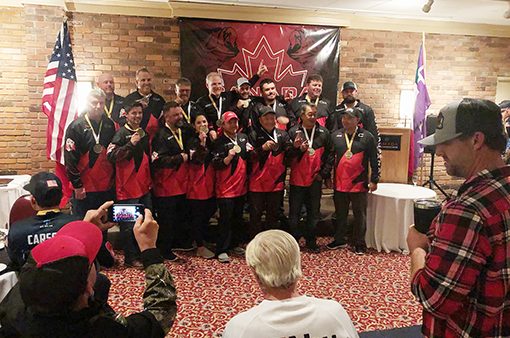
x=229 y=115
x=56 y=272
x=78 y=238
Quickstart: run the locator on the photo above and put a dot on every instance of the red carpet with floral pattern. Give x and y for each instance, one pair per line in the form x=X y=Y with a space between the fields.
x=373 y=288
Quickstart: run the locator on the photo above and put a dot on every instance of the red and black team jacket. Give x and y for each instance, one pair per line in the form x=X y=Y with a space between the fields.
x=84 y=167
x=118 y=114
x=324 y=109
x=231 y=180
x=201 y=172
x=151 y=114
x=351 y=175
x=169 y=171
x=133 y=176
x=267 y=168
x=305 y=167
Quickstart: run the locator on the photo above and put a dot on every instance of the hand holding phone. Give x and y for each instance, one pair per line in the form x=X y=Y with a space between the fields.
x=125 y=212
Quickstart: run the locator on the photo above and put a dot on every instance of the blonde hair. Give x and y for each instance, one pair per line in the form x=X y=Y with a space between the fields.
x=97 y=93
x=275 y=258
x=211 y=75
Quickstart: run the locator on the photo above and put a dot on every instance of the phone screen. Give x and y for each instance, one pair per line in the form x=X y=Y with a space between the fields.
x=125 y=212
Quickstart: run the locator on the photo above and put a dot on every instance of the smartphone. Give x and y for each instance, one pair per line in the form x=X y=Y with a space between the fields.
x=125 y=212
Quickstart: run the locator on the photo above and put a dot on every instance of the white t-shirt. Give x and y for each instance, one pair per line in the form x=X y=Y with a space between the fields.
x=294 y=317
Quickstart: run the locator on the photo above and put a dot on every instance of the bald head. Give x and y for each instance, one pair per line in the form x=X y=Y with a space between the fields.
x=106 y=83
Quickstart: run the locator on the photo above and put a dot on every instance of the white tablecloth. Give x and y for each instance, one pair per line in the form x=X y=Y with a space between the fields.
x=9 y=195
x=7 y=282
x=390 y=212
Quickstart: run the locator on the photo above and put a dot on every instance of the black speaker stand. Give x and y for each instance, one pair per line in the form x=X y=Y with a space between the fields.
x=431 y=182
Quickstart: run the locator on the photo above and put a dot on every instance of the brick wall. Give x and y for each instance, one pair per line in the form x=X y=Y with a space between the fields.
x=382 y=63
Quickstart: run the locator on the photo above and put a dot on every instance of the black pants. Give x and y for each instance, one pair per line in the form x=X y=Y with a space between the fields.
x=200 y=212
x=359 y=209
x=173 y=224
x=92 y=200
x=270 y=203
x=310 y=197
x=230 y=224
x=127 y=237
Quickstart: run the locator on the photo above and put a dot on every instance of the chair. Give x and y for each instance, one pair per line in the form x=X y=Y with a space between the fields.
x=21 y=209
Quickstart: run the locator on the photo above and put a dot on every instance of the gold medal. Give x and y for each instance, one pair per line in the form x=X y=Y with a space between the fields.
x=141 y=132
x=218 y=123
x=204 y=129
x=311 y=151
x=237 y=149
x=349 y=142
x=97 y=148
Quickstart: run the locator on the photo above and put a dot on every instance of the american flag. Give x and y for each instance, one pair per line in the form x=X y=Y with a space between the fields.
x=59 y=101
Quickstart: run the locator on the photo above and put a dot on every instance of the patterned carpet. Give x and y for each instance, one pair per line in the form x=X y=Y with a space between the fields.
x=373 y=288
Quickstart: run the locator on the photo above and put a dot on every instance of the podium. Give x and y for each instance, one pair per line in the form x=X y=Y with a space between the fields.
x=395 y=145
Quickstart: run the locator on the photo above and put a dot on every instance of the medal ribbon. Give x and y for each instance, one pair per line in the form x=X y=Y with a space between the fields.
x=310 y=101
x=309 y=139
x=215 y=106
x=131 y=129
x=109 y=111
x=274 y=137
x=178 y=139
x=233 y=141
x=188 y=116
x=349 y=142
x=96 y=136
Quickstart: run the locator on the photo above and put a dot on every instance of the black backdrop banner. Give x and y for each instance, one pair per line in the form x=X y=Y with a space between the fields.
x=236 y=49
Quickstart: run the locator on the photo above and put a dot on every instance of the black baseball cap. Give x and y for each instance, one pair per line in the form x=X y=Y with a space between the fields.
x=349 y=85
x=504 y=104
x=354 y=112
x=266 y=110
x=44 y=186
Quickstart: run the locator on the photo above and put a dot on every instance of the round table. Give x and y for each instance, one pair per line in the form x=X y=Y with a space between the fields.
x=390 y=212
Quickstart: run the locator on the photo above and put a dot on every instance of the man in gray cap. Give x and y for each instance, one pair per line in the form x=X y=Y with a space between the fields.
x=459 y=270
x=242 y=103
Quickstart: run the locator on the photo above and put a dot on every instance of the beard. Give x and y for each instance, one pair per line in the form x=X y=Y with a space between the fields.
x=179 y=124
x=349 y=99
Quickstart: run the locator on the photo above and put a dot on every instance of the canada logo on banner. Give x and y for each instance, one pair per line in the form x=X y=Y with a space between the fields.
x=237 y=49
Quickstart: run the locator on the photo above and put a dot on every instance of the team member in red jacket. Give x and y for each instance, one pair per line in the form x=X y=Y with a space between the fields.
x=170 y=180
x=87 y=168
x=129 y=151
x=308 y=168
x=230 y=154
x=354 y=149
x=267 y=176
x=152 y=102
x=201 y=196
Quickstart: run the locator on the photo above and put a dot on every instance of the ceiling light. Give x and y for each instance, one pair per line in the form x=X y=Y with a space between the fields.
x=427 y=6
